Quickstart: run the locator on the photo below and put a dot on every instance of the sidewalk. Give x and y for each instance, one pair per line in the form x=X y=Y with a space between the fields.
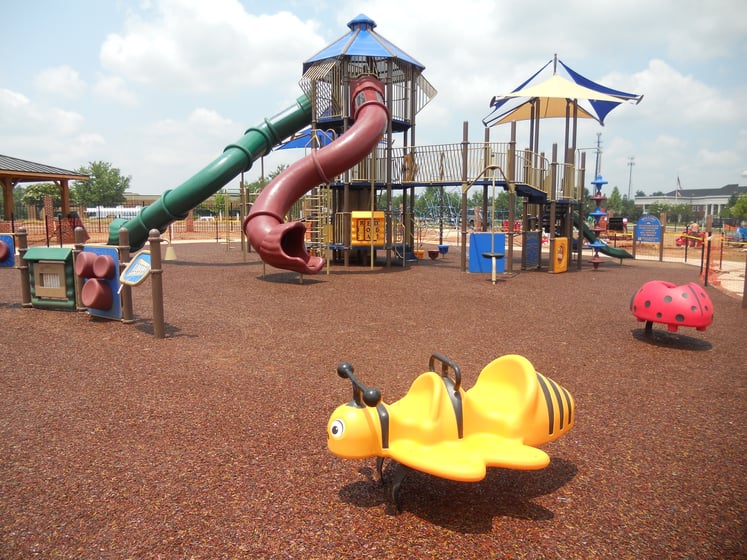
x=730 y=277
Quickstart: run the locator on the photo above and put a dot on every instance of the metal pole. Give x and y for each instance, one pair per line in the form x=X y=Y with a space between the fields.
x=511 y=220
x=23 y=267
x=709 y=232
x=631 y=163
x=582 y=180
x=492 y=227
x=77 y=250
x=553 y=202
x=156 y=282
x=465 y=188
x=124 y=258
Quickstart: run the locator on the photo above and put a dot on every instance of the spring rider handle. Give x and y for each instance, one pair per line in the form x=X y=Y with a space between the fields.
x=446 y=363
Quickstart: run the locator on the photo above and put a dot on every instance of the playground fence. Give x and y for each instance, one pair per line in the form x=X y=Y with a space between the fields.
x=723 y=246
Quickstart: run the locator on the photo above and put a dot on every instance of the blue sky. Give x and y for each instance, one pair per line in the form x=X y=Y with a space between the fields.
x=159 y=87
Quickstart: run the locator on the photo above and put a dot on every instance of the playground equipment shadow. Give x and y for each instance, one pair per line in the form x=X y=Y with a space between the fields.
x=211 y=442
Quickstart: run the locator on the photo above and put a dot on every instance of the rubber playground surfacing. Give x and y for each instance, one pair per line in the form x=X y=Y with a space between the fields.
x=211 y=443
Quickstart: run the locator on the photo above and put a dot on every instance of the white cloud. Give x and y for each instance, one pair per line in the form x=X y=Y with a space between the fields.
x=211 y=122
x=200 y=134
x=209 y=47
x=62 y=81
x=25 y=122
x=84 y=147
x=115 y=89
x=20 y=116
x=707 y=34
x=672 y=97
x=11 y=101
x=741 y=140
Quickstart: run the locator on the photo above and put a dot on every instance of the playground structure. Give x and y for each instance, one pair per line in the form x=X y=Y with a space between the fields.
x=344 y=183
x=441 y=429
x=97 y=279
x=599 y=216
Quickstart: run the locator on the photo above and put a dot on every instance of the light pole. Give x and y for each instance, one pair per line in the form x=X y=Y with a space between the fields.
x=598 y=150
x=631 y=163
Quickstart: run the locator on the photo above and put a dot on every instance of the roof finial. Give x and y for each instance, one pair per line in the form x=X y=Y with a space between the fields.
x=362 y=22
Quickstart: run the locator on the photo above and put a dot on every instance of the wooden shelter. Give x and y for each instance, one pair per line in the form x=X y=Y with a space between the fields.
x=14 y=171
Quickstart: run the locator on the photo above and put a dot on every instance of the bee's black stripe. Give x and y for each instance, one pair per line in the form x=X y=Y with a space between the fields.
x=570 y=405
x=548 y=400
x=560 y=401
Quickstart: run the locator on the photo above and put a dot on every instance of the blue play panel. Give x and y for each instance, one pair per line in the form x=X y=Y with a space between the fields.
x=480 y=243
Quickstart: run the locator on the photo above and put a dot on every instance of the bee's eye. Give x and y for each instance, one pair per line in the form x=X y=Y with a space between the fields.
x=337 y=429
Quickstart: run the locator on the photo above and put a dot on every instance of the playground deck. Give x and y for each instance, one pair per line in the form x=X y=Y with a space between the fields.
x=210 y=443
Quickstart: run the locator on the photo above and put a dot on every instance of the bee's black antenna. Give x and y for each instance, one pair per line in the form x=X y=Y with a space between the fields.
x=361 y=394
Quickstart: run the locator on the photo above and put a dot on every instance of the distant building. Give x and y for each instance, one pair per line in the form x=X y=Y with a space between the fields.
x=140 y=199
x=703 y=202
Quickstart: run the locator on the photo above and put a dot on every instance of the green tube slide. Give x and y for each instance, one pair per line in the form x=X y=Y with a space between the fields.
x=606 y=250
x=237 y=157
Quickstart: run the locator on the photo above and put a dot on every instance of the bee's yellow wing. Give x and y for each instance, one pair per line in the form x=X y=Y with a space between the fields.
x=466 y=459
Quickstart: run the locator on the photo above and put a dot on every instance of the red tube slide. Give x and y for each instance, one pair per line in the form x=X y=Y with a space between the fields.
x=283 y=245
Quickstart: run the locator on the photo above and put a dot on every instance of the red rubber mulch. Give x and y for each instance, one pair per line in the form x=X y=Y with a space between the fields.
x=210 y=443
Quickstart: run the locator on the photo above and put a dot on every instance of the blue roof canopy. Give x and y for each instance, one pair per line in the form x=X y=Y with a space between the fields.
x=601 y=108
x=308 y=138
x=362 y=40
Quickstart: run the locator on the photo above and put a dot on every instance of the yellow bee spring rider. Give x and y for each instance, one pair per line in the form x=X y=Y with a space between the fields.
x=441 y=429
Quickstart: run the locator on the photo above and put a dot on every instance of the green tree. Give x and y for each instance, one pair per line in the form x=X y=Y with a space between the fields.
x=738 y=209
x=106 y=186
x=475 y=197
x=614 y=202
x=33 y=195
x=396 y=202
x=18 y=211
x=221 y=200
x=680 y=213
x=256 y=186
x=629 y=209
x=658 y=208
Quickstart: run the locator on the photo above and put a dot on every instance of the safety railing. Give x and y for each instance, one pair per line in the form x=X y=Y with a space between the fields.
x=458 y=164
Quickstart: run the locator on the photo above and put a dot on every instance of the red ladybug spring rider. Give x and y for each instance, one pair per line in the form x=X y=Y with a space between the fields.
x=675 y=306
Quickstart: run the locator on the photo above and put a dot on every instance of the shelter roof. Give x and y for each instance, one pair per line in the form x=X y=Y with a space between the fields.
x=543 y=108
x=23 y=171
x=362 y=41
x=552 y=91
